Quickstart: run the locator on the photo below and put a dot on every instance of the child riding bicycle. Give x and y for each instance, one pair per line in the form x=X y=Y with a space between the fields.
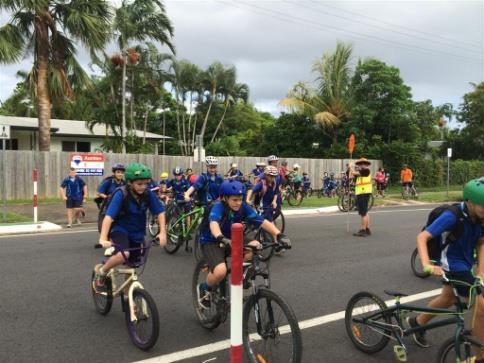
x=124 y=224
x=457 y=258
x=229 y=210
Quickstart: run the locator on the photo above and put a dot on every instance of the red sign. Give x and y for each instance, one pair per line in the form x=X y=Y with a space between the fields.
x=351 y=143
x=88 y=164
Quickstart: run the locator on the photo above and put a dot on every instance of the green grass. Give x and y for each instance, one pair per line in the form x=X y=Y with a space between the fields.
x=14 y=218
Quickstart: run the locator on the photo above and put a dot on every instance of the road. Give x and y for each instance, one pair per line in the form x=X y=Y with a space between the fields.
x=47 y=312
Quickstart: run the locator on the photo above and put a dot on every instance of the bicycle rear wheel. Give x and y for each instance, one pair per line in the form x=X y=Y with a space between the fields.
x=102 y=300
x=145 y=329
x=174 y=234
x=449 y=354
x=416 y=265
x=295 y=198
x=197 y=247
x=344 y=202
x=270 y=329
x=365 y=335
x=209 y=318
x=153 y=227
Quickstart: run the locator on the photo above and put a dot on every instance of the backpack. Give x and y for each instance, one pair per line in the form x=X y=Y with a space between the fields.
x=99 y=201
x=125 y=207
x=434 y=247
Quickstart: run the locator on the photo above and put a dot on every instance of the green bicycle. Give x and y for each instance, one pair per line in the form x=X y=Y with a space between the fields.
x=180 y=228
x=370 y=324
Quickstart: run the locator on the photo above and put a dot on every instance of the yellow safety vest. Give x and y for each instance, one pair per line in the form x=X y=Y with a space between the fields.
x=363 y=185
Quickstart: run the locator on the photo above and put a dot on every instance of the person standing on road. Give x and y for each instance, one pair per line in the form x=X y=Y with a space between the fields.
x=457 y=259
x=363 y=190
x=406 y=178
x=74 y=191
x=380 y=182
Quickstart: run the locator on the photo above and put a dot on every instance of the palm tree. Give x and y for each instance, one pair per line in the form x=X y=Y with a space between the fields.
x=212 y=79
x=47 y=29
x=328 y=103
x=232 y=92
x=139 y=20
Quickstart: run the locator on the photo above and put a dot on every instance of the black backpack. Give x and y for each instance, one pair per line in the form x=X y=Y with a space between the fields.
x=434 y=247
x=124 y=209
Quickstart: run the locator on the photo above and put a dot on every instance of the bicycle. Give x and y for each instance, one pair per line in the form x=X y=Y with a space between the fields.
x=417 y=267
x=263 y=333
x=385 y=323
x=293 y=196
x=179 y=233
x=347 y=201
x=409 y=192
x=141 y=313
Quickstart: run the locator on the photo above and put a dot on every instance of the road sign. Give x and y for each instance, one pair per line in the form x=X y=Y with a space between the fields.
x=4 y=132
x=88 y=164
x=449 y=152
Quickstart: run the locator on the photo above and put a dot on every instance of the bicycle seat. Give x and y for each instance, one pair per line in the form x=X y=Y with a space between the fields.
x=394 y=293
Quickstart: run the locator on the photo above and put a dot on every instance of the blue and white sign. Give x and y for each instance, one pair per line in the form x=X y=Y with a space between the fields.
x=88 y=164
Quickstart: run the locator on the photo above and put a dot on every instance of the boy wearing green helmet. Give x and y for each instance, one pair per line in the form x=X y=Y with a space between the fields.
x=457 y=257
x=124 y=224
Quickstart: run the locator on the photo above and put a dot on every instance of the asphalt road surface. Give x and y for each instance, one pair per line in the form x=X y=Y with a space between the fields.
x=47 y=313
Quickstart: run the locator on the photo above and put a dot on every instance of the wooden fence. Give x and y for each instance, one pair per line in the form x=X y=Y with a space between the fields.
x=54 y=167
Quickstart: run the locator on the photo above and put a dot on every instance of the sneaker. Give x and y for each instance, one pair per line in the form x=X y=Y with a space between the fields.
x=279 y=250
x=203 y=296
x=360 y=233
x=99 y=279
x=368 y=232
x=69 y=226
x=78 y=221
x=418 y=337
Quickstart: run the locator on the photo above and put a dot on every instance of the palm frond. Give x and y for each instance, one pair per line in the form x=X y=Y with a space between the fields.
x=327 y=119
x=12 y=43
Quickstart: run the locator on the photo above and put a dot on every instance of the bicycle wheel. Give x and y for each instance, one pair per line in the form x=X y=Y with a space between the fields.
x=295 y=198
x=211 y=317
x=153 y=227
x=344 y=202
x=309 y=192
x=174 y=234
x=145 y=329
x=366 y=336
x=416 y=265
x=270 y=329
x=279 y=220
x=320 y=193
x=102 y=300
x=197 y=247
x=265 y=239
x=448 y=353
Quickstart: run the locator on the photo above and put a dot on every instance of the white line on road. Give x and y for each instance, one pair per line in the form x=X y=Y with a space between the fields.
x=310 y=323
x=341 y=214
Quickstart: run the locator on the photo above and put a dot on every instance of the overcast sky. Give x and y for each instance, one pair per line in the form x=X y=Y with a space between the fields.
x=438 y=46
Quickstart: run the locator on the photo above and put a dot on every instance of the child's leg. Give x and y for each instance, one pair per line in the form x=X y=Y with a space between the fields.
x=70 y=212
x=444 y=300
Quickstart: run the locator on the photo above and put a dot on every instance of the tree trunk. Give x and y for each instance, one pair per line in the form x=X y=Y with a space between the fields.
x=43 y=96
x=144 y=127
x=131 y=101
x=335 y=136
x=184 y=131
x=178 y=120
x=190 y=147
x=194 y=130
x=123 y=107
x=220 y=122
x=204 y=125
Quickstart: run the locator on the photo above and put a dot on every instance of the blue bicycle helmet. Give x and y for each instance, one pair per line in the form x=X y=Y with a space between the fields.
x=118 y=166
x=177 y=170
x=231 y=187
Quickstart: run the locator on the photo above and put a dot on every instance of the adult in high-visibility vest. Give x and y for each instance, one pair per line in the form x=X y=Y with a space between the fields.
x=363 y=190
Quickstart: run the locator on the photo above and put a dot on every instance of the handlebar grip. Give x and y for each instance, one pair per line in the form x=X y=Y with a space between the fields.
x=98 y=245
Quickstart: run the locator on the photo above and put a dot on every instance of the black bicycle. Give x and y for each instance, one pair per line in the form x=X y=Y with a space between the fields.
x=270 y=328
x=370 y=324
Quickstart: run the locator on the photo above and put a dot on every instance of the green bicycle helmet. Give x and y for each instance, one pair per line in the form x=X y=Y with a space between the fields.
x=474 y=191
x=137 y=171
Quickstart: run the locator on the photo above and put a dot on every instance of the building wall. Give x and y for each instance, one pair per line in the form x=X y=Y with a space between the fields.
x=56 y=143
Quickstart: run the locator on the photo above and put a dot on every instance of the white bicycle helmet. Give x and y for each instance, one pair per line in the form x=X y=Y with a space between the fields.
x=296 y=166
x=271 y=170
x=211 y=161
x=260 y=163
x=272 y=158
x=233 y=165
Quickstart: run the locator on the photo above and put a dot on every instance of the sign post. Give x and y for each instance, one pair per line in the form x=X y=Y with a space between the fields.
x=449 y=155
x=4 y=135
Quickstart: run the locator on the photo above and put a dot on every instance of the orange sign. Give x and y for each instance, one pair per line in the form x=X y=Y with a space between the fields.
x=351 y=143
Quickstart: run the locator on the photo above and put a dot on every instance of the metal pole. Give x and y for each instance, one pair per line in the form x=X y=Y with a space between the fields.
x=236 y=294
x=4 y=182
x=163 y=132
x=448 y=175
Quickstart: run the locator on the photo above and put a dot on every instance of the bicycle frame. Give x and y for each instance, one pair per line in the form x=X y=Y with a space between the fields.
x=198 y=213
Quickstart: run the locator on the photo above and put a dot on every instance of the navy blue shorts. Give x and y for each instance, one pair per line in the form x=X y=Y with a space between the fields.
x=463 y=276
x=123 y=242
x=71 y=203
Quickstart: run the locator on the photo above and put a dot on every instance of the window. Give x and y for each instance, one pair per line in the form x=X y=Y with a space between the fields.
x=11 y=144
x=68 y=146
x=79 y=146
x=83 y=146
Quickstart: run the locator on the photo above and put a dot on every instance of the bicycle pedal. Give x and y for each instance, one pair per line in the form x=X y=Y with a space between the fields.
x=400 y=353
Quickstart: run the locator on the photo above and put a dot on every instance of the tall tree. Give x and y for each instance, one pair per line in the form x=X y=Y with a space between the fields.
x=47 y=29
x=212 y=79
x=139 y=20
x=328 y=102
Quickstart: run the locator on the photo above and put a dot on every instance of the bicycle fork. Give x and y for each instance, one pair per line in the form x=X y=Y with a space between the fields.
x=132 y=311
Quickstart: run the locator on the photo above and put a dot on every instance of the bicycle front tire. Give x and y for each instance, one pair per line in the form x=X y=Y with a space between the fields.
x=355 y=330
x=102 y=301
x=279 y=220
x=447 y=352
x=174 y=234
x=146 y=315
x=416 y=265
x=266 y=340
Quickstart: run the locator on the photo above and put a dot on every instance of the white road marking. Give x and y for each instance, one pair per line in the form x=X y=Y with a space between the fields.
x=341 y=214
x=70 y=231
x=310 y=323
